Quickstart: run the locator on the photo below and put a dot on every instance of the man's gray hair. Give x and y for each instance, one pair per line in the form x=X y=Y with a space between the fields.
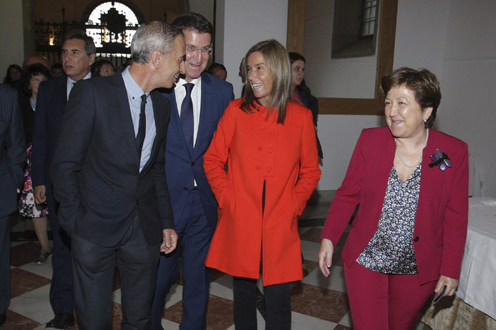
x=156 y=35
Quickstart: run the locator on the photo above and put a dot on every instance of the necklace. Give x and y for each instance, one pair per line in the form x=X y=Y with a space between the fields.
x=420 y=158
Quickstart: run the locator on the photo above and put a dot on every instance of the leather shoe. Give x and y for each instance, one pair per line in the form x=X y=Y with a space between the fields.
x=61 y=321
x=3 y=319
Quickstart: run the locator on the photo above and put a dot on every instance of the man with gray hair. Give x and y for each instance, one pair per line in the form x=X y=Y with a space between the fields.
x=109 y=178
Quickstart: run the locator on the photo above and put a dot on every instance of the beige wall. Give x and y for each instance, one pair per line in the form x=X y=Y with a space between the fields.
x=11 y=36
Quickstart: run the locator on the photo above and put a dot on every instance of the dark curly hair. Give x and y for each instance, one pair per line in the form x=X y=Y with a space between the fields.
x=31 y=71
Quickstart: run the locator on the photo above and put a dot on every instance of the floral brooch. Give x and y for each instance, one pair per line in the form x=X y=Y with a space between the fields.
x=440 y=159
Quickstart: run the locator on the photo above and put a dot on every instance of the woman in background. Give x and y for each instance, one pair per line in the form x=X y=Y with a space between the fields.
x=102 y=68
x=301 y=93
x=269 y=144
x=14 y=73
x=34 y=75
x=411 y=182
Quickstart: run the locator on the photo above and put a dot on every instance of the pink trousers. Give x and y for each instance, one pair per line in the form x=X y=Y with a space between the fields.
x=385 y=302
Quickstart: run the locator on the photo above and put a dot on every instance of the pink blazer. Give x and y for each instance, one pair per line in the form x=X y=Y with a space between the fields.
x=442 y=212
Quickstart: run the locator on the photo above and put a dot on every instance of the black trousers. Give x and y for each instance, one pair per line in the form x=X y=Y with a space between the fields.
x=277 y=304
x=93 y=280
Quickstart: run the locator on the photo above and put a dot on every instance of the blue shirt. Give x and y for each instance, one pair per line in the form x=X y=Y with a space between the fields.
x=134 y=93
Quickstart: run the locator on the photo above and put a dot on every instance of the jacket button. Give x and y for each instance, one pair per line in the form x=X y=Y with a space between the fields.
x=260 y=148
x=416 y=239
x=269 y=169
x=262 y=127
x=270 y=150
x=272 y=130
x=185 y=188
x=137 y=201
x=192 y=163
x=258 y=167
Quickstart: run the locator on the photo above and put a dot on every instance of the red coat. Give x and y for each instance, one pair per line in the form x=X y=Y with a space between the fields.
x=259 y=149
x=442 y=212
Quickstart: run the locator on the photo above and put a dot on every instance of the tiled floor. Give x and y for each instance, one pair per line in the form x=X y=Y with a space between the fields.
x=317 y=302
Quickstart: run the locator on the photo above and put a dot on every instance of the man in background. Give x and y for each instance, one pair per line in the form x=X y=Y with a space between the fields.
x=57 y=70
x=36 y=59
x=78 y=54
x=218 y=70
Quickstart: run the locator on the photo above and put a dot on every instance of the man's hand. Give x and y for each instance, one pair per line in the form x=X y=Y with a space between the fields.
x=325 y=256
x=40 y=194
x=170 y=241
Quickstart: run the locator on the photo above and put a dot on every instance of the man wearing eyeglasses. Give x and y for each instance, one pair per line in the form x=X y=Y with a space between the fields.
x=197 y=102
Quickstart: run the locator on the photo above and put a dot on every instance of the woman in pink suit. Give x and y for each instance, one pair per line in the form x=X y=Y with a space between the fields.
x=270 y=146
x=408 y=236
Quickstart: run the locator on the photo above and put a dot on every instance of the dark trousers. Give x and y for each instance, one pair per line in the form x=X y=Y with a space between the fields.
x=93 y=280
x=4 y=264
x=61 y=288
x=195 y=235
x=277 y=304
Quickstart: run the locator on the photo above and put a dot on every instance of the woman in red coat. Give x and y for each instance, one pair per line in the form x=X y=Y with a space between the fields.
x=408 y=236
x=270 y=146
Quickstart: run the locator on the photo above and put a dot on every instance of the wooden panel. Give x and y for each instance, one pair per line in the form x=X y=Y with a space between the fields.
x=296 y=26
x=385 y=57
x=342 y=106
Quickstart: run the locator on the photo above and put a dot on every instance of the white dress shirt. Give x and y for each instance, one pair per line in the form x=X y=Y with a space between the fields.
x=180 y=91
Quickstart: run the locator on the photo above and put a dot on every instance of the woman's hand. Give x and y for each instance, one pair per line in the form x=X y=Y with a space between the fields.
x=451 y=285
x=325 y=256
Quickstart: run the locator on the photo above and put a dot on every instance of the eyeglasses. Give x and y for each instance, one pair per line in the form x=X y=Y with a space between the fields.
x=205 y=50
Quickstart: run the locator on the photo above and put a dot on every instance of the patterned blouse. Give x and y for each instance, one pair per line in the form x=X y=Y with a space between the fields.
x=391 y=251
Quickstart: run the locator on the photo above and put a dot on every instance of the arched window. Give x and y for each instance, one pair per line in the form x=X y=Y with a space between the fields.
x=112 y=26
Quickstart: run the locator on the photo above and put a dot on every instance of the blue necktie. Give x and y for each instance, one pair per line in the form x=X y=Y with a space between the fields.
x=140 y=138
x=187 y=116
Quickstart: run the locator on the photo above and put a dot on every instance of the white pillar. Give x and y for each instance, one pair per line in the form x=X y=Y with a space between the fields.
x=240 y=24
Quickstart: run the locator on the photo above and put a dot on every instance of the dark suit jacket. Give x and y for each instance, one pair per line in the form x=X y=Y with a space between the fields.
x=442 y=211
x=12 y=150
x=50 y=106
x=312 y=103
x=182 y=167
x=95 y=169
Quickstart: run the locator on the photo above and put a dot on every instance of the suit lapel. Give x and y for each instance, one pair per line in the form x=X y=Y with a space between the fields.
x=62 y=97
x=175 y=121
x=122 y=101
x=432 y=180
x=159 y=126
x=206 y=99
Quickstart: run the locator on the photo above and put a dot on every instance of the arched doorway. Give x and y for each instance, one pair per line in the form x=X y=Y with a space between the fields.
x=112 y=25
